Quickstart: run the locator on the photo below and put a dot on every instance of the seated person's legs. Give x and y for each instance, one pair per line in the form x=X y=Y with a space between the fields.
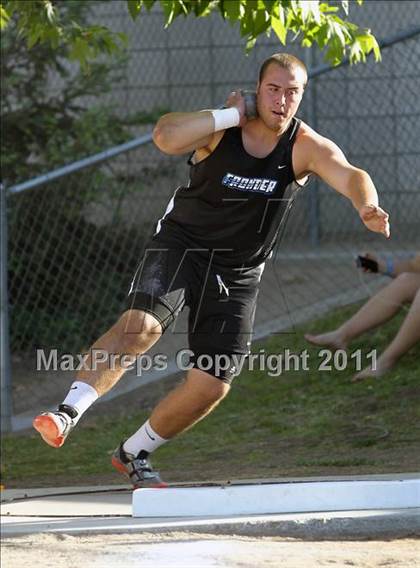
x=377 y=310
x=408 y=335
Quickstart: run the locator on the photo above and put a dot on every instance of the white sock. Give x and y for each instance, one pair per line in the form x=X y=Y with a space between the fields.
x=81 y=396
x=144 y=439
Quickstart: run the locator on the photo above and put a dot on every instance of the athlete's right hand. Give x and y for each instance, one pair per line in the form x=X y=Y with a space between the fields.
x=235 y=99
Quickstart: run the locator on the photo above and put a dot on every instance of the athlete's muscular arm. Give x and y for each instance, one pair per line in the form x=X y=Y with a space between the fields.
x=322 y=157
x=182 y=132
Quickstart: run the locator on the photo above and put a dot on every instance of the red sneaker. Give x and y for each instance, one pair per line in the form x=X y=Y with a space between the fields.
x=54 y=427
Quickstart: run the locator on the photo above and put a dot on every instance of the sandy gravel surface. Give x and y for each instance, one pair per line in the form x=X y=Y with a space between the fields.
x=187 y=550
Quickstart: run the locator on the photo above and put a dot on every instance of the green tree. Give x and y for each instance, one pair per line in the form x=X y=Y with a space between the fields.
x=60 y=24
x=308 y=21
x=49 y=112
x=51 y=115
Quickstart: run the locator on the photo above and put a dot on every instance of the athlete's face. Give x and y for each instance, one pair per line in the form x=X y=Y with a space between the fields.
x=279 y=95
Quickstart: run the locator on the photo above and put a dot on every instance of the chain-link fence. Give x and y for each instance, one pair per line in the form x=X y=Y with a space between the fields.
x=74 y=243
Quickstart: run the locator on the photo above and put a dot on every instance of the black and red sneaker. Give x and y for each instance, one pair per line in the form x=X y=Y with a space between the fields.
x=137 y=469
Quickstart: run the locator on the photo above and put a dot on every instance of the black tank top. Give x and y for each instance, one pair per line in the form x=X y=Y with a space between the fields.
x=235 y=204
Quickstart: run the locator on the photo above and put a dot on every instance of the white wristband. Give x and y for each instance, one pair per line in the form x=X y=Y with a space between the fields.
x=225 y=118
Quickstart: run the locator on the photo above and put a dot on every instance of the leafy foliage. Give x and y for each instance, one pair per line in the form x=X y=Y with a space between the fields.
x=54 y=24
x=49 y=292
x=309 y=21
x=51 y=117
x=48 y=107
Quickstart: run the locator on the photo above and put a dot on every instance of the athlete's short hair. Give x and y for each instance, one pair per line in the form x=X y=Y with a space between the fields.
x=285 y=60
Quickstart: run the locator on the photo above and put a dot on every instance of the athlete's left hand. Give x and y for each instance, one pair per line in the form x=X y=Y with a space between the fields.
x=375 y=219
x=235 y=99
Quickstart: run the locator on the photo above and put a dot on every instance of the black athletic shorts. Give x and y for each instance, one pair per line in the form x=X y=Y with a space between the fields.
x=222 y=303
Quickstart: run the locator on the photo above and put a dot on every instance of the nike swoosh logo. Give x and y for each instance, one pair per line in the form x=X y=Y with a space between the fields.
x=151 y=437
x=73 y=388
x=280 y=167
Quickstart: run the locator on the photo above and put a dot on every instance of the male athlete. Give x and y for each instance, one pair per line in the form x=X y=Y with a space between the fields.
x=209 y=249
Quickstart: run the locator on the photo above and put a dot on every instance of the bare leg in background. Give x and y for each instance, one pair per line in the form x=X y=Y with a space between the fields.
x=407 y=336
x=378 y=310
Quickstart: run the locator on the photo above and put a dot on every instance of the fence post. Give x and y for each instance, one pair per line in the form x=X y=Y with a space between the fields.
x=6 y=383
x=313 y=193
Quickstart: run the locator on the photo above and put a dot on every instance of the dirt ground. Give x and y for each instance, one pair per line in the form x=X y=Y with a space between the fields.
x=187 y=550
